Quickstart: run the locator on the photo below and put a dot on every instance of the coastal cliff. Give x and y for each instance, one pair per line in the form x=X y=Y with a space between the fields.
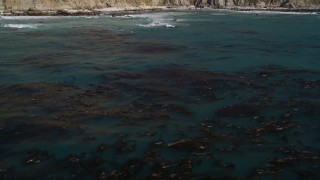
x=53 y=5
x=86 y=4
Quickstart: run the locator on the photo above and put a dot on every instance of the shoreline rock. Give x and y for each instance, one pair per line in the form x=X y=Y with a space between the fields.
x=275 y=9
x=119 y=11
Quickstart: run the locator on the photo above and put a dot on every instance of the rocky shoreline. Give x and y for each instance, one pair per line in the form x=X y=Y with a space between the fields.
x=118 y=11
x=302 y=10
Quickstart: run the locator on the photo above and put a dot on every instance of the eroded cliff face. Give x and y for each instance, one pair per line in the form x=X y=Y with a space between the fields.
x=275 y=3
x=1 y=5
x=87 y=4
x=92 y=4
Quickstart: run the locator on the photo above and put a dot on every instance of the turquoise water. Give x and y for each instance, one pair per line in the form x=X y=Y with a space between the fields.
x=185 y=94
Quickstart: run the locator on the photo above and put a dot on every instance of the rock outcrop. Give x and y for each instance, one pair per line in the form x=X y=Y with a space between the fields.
x=24 y=5
x=86 y=4
x=265 y=3
x=1 y=4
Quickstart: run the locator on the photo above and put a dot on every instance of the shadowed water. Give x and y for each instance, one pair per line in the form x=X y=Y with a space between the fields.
x=174 y=95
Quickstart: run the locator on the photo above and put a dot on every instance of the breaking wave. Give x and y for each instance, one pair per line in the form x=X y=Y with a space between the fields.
x=21 y=26
x=168 y=20
x=157 y=24
x=27 y=17
x=278 y=12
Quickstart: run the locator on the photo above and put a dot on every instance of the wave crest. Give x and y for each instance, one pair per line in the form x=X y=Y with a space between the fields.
x=21 y=26
x=157 y=24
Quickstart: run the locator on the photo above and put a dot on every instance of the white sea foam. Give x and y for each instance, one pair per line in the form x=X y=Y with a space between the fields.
x=27 y=17
x=124 y=16
x=168 y=20
x=90 y=17
x=157 y=24
x=170 y=26
x=278 y=12
x=218 y=14
x=21 y=26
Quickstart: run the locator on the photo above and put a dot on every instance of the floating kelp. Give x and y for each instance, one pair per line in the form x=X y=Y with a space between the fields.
x=165 y=123
x=293 y=159
x=194 y=86
x=36 y=156
x=129 y=169
x=97 y=37
x=188 y=144
x=8 y=173
x=106 y=98
x=36 y=132
x=48 y=60
x=82 y=165
x=124 y=145
x=152 y=48
x=238 y=111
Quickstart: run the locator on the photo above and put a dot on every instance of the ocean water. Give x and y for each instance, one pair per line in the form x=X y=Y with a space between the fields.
x=162 y=95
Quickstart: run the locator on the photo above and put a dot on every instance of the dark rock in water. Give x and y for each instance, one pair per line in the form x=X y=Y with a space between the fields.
x=122 y=14
x=63 y=12
x=238 y=111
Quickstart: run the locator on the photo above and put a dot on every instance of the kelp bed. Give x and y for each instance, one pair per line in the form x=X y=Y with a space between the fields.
x=165 y=123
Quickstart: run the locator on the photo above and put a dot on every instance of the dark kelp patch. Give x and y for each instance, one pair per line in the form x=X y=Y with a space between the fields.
x=152 y=48
x=238 y=111
x=133 y=120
